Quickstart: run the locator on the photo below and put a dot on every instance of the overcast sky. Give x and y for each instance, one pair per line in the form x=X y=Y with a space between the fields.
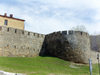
x=46 y=16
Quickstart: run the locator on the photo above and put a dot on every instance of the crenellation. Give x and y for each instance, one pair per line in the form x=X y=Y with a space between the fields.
x=70 y=32
x=68 y=45
x=64 y=46
x=38 y=35
x=20 y=41
x=34 y=34
x=77 y=33
x=28 y=33
x=81 y=33
x=15 y=30
x=64 y=32
x=42 y=35
x=22 y=32
x=8 y=29
x=0 y=28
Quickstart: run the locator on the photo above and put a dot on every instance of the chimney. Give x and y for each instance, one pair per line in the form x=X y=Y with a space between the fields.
x=5 y=14
x=11 y=15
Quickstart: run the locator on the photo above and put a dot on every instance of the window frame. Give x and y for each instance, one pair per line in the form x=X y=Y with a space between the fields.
x=6 y=22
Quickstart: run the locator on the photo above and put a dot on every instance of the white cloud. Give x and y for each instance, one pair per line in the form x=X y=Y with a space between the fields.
x=45 y=16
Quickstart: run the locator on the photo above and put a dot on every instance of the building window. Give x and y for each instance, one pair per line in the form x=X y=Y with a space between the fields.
x=6 y=22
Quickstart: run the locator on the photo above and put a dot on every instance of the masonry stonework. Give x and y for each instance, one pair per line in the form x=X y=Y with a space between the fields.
x=71 y=45
x=68 y=45
x=16 y=42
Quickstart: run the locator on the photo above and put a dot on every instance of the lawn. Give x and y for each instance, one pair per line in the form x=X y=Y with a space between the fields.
x=44 y=66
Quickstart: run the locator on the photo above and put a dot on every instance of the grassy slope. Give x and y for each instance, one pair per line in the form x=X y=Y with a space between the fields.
x=44 y=66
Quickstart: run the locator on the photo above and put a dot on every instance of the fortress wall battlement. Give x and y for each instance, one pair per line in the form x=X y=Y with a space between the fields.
x=21 y=32
x=69 y=45
x=16 y=42
x=69 y=33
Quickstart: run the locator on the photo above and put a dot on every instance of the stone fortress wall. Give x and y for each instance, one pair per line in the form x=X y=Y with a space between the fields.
x=16 y=42
x=70 y=45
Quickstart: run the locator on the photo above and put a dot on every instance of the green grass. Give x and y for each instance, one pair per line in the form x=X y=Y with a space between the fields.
x=44 y=66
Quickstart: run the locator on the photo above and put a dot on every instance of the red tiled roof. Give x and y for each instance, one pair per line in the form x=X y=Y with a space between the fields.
x=11 y=17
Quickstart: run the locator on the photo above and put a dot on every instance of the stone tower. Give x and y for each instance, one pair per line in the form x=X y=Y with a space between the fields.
x=71 y=45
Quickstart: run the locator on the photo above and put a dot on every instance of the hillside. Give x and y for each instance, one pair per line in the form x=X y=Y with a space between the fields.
x=44 y=66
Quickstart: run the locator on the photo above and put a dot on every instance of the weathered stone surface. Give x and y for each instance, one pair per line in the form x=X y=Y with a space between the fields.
x=72 y=45
x=15 y=42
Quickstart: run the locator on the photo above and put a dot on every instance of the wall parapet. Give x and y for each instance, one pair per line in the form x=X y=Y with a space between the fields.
x=68 y=45
x=20 y=32
x=70 y=32
x=17 y=42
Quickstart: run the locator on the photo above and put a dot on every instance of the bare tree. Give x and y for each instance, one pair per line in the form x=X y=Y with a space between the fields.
x=79 y=28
